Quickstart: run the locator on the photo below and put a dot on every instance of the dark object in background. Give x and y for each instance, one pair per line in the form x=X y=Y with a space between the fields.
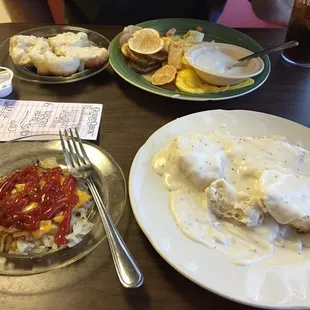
x=125 y=12
x=299 y=30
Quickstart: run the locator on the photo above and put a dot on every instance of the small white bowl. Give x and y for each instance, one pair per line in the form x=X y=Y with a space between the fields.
x=249 y=69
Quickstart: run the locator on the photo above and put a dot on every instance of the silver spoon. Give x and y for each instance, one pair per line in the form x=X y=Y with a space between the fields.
x=281 y=47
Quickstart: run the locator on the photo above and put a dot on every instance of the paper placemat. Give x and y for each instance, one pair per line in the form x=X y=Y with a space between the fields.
x=20 y=118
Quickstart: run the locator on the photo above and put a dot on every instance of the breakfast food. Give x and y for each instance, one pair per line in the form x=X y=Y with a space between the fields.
x=175 y=54
x=61 y=55
x=144 y=69
x=142 y=63
x=160 y=56
x=139 y=58
x=146 y=51
x=21 y=46
x=286 y=197
x=194 y=36
x=146 y=41
x=79 y=39
x=188 y=81
x=90 y=56
x=245 y=196
x=42 y=208
x=164 y=75
x=127 y=34
x=224 y=201
x=50 y=64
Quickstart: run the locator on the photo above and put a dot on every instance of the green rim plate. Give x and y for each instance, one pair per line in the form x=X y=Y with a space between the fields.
x=213 y=31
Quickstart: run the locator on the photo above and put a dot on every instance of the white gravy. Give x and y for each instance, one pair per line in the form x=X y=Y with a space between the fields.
x=4 y=76
x=190 y=164
x=212 y=59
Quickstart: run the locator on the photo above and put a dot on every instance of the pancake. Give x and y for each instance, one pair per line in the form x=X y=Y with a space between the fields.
x=143 y=69
x=146 y=41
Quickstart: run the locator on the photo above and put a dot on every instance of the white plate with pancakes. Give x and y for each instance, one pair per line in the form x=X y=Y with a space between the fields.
x=279 y=281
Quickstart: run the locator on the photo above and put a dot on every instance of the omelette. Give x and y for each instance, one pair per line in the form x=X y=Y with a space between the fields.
x=189 y=82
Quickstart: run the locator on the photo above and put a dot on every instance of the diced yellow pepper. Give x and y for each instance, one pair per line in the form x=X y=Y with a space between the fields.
x=31 y=206
x=59 y=218
x=19 y=187
x=83 y=198
x=45 y=227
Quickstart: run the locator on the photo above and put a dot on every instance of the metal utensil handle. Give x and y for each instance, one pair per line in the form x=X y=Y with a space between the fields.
x=281 y=47
x=127 y=270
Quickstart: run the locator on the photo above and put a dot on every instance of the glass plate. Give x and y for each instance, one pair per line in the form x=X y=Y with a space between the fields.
x=110 y=182
x=30 y=75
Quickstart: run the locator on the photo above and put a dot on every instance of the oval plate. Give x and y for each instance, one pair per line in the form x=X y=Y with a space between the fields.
x=216 y=32
x=282 y=281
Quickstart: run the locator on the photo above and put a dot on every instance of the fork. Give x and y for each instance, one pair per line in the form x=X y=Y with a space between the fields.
x=81 y=167
x=281 y=47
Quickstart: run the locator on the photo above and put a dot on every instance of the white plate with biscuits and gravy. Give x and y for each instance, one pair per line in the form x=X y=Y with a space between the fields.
x=224 y=198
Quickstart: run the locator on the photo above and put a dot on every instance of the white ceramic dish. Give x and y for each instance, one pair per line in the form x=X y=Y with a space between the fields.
x=250 y=69
x=278 y=282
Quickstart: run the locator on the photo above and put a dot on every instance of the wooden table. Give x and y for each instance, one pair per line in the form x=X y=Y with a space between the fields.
x=130 y=116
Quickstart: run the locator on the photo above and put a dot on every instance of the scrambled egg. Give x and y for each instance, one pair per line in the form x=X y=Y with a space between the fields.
x=185 y=64
x=188 y=81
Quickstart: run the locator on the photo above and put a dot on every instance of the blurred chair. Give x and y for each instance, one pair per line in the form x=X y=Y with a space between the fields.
x=239 y=14
x=57 y=10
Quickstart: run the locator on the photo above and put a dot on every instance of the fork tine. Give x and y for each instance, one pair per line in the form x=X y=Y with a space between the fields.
x=78 y=157
x=82 y=148
x=65 y=151
x=73 y=156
